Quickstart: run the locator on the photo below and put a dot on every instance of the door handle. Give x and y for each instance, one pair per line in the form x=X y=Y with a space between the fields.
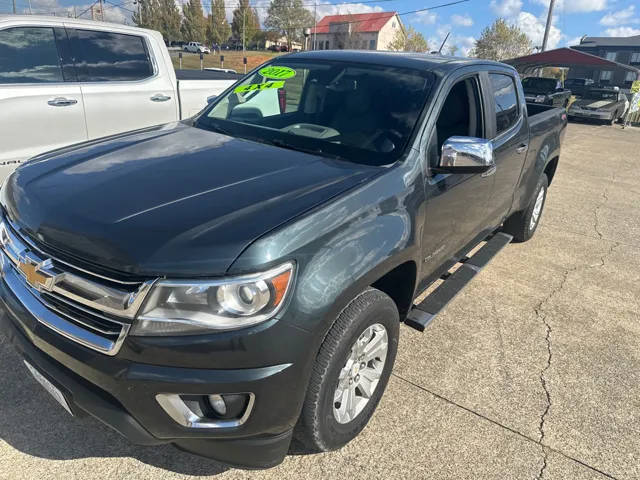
x=158 y=97
x=522 y=148
x=62 y=102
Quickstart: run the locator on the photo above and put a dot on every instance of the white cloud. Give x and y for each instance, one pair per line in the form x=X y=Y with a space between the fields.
x=573 y=41
x=621 y=17
x=462 y=20
x=533 y=27
x=49 y=7
x=575 y=6
x=622 y=32
x=425 y=18
x=465 y=44
x=327 y=8
x=506 y=8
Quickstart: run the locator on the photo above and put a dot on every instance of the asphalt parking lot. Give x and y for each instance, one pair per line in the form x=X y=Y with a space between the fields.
x=532 y=372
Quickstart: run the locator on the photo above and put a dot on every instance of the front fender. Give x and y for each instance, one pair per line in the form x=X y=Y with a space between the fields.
x=344 y=246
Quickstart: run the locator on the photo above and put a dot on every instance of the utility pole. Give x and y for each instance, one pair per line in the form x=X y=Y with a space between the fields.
x=315 y=19
x=548 y=26
x=101 y=11
x=244 y=15
x=14 y=7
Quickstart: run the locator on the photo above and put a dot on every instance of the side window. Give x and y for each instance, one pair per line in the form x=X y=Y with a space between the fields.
x=506 y=100
x=109 y=57
x=29 y=55
x=460 y=115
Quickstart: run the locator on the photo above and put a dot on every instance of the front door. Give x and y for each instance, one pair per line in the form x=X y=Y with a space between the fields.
x=456 y=208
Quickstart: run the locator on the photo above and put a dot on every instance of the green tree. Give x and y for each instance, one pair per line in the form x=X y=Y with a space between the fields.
x=452 y=50
x=289 y=18
x=411 y=41
x=194 y=25
x=245 y=24
x=502 y=41
x=218 y=29
x=146 y=15
x=169 y=19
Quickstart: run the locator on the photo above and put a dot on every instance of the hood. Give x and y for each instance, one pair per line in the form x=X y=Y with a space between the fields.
x=594 y=104
x=171 y=200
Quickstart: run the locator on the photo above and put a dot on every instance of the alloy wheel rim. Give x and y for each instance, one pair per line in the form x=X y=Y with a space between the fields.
x=537 y=209
x=360 y=375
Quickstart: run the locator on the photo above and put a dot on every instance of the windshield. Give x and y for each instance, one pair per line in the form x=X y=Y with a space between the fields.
x=601 y=95
x=358 y=112
x=539 y=84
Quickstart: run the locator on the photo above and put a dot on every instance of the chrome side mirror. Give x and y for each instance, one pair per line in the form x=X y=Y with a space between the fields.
x=466 y=155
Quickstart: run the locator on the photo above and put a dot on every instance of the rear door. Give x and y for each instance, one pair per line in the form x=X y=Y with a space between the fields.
x=40 y=109
x=120 y=81
x=510 y=135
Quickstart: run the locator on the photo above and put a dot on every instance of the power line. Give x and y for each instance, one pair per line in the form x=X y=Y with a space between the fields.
x=119 y=6
x=85 y=11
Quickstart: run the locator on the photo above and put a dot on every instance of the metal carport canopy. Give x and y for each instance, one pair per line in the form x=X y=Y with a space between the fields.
x=564 y=57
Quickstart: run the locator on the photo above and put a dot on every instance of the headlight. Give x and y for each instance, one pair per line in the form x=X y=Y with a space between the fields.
x=540 y=98
x=190 y=307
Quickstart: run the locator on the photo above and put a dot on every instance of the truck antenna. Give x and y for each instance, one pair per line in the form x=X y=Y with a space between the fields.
x=443 y=42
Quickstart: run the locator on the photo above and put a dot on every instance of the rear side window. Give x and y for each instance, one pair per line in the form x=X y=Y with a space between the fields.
x=506 y=100
x=109 y=57
x=29 y=55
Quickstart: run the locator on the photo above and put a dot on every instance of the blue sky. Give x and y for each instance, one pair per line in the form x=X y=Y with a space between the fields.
x=572 y=18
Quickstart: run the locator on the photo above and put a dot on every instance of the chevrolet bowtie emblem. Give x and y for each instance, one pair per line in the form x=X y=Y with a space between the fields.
x=35 y=274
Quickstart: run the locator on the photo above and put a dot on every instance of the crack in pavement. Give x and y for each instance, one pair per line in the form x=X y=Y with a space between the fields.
x=596 y=219
x=501 y=425
x=541 y=315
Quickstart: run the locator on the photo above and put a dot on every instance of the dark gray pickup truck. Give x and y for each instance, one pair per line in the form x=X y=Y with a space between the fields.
x=225 y=282
x=546 y=91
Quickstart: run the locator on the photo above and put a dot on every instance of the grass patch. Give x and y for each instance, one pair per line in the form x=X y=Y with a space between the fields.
x=232 y=59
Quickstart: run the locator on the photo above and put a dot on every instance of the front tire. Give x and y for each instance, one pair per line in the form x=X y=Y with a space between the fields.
x=522 y=225
x=351 y=372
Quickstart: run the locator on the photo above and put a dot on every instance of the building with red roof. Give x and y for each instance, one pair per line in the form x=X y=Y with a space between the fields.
x=361 y=31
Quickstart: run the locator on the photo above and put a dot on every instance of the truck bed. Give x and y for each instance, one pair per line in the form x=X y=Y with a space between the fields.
x=194 y=85
x=544 y=119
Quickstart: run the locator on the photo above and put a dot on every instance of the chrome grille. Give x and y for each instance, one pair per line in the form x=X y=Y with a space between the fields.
x=90 y=309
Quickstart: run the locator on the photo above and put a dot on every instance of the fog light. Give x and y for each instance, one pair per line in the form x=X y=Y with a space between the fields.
x=218 y=405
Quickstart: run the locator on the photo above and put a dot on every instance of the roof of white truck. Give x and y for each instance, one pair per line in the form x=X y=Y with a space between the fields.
x=76 y=22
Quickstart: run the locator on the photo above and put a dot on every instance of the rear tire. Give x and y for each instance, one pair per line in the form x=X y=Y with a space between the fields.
x=343 y=366
x=522 y=225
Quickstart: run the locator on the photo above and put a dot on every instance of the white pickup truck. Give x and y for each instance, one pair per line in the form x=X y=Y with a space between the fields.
x=64 y=81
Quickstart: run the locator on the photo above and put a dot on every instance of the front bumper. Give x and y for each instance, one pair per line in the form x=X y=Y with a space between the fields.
x=121 y=391
x=594 y=115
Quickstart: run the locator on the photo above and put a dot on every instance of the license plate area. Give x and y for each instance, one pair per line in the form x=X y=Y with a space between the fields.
x=49 y=387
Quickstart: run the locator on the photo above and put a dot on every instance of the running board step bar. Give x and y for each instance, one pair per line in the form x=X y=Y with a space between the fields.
x=422 y=314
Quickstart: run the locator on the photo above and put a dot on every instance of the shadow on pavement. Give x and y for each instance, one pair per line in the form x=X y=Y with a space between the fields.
x=33 y=423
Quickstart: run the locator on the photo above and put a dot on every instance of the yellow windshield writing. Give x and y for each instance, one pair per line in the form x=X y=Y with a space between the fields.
x=258 y=86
